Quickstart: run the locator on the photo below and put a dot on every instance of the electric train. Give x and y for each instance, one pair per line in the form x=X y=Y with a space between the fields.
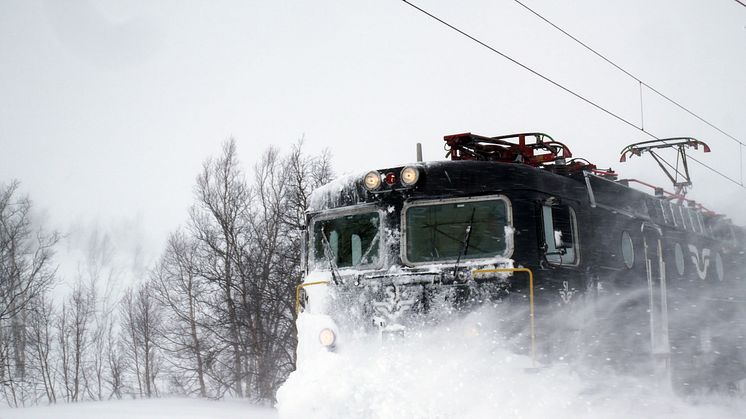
x=590 y=265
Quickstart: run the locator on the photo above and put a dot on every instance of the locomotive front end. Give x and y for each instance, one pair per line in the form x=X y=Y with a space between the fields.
x=388 y=252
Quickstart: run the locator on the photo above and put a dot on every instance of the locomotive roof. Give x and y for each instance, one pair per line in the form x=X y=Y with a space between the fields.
x=442 y=179
x=459 y=178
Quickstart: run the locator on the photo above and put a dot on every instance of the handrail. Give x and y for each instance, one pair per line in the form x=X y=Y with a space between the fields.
x=297 y=293
x=530 y=300
x=670 y=194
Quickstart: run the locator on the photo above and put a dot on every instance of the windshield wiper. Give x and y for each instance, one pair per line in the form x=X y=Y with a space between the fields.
x=471 y=246
x=330 y=258
x=465 y=243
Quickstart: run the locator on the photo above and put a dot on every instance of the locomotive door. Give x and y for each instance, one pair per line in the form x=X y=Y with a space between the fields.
x=655 y=269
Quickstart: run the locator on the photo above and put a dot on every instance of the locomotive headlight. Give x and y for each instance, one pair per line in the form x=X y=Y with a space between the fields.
x=409 y=175
x=372 y=180
x=327 y=337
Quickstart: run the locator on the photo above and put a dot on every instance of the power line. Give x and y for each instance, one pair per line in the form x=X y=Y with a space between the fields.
x=740 y=2
x=717 y=171
x=651 y=88
x=525 y=67
x=637 y=79
x=549 y=80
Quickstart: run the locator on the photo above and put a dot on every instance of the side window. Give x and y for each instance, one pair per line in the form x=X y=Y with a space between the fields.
x=705 y=227
x=700 y=222
x=667 y=213
x=694 y=220
x=678 y=222
x=560 y=234
x=687 y=219
x=681 y=214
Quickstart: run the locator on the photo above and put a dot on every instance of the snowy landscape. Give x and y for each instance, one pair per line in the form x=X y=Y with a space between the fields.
x=196 y=220
x=432 y=375
x=145 y=409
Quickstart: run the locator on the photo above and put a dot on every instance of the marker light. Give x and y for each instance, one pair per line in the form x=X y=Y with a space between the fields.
x=390 y=178
x=409 y=176
x=372 y=181
x=327 y=337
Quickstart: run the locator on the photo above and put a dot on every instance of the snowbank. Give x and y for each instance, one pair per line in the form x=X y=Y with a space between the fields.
x=144 y=409
x=463 y=370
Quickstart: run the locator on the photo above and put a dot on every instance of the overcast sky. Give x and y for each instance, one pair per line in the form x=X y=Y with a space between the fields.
x=108 y=108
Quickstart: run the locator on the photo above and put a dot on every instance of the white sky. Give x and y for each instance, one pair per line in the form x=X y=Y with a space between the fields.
x=108 y=108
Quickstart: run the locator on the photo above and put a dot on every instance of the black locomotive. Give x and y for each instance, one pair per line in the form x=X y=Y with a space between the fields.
x=650 y=282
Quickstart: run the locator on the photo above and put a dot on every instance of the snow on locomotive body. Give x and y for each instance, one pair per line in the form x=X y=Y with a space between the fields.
x=594 y=265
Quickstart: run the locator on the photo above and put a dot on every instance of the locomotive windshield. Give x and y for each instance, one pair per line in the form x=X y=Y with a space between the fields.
x=350 y=240
x=448 y=230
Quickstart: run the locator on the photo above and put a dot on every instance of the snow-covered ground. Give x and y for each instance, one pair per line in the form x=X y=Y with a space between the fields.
x=144 y=409
x=459 y=372
x=455 y=371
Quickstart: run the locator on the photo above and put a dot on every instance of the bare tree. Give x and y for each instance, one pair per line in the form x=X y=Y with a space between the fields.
x=140 y=319
x=73 y=336
x=25 y=253
x=249 y=242
x=260 y=280
x=217 y=222
x=98 y=274
x=214 y=316
x=180 y=290
x=282 y=188
x=26 y=272
x=41 y=339
x=115 y=360
x=130 y=337
x=305 y=173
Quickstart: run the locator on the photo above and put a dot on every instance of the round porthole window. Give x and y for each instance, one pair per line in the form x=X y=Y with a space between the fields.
x=628 y=250
x=719 y=266
x=678 y=254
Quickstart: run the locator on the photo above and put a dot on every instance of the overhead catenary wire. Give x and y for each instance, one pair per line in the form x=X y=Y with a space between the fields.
x=642 y=84
x=637 y=79
x=527 y=68
x=562 y=87
x=717 y=171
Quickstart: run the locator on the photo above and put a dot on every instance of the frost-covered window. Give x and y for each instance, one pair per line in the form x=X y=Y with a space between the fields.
x=349 y=240
x=696 y=226
x=453 y=229
x=560 y=234
x=667 y=213
x=678 y=219
x=685 y=217
x=702 y=225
